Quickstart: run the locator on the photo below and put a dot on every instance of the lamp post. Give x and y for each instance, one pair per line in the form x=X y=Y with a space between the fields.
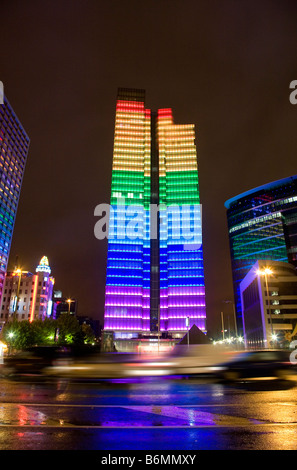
x=223 y=328
x=267 y=272
x=188 y=326
x=69 y=304
x=234 y=315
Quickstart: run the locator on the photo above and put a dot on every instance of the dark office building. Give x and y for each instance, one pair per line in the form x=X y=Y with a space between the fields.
x=262 y=225
x=63 y=305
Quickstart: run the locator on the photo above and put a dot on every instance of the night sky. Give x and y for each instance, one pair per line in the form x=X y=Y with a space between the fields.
x=223 y=65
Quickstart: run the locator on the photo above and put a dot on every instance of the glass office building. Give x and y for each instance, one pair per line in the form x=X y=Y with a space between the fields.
x=262 y=225
x=14 y=146
x=155 y=276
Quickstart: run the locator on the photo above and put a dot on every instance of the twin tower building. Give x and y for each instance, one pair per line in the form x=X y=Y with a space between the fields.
x=155 y=274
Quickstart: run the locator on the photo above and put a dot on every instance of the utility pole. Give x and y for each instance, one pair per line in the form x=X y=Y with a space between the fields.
x=158 y=329
x=223 y=330
x=234 y=315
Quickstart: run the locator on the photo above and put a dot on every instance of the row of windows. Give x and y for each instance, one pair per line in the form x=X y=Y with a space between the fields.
x=23 y=316
x=11 y=283
x=21 y=291
x=24 y=307
x=38 y=299
x=12 y=126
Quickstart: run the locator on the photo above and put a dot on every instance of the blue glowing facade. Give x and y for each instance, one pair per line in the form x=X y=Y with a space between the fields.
x=262 y=225
x=14 y=147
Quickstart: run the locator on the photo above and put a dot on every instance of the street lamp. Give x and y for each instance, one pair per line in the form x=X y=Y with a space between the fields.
x=223 y=328
x=188 y=326
x=267 y=272
x=17 y=272
x=69 y=304
x=274 y=337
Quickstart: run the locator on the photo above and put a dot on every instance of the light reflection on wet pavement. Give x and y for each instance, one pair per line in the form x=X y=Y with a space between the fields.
x=201 y=416
x=117 y=416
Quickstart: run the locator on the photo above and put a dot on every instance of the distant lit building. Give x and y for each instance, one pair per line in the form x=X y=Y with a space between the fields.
x=94 y=324
x=28 y=296
x=262 y=225
x=63 y=304
x=269 y=304
x=14 y=147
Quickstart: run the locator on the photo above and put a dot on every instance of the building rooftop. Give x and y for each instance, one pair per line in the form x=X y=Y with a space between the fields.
x=267 y=186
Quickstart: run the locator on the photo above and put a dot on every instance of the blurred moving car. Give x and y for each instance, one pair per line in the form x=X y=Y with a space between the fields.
x=33 y=360
x=257 y=364
x=183 y=360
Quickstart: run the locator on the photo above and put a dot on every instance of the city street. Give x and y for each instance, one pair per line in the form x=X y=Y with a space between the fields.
x=176 y=414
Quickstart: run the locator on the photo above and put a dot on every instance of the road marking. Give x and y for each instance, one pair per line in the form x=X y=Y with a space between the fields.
x=193 y=417
x=211 y=405
x=159 y=426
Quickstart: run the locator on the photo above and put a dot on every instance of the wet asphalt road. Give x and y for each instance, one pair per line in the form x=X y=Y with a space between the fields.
x=153 y=414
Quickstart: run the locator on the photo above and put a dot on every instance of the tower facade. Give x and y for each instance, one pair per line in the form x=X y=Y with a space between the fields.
x=14 y=147
x=155 y=275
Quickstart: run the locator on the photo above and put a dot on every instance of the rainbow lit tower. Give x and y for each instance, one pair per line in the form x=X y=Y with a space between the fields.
x=14 y=148
x=155 y=275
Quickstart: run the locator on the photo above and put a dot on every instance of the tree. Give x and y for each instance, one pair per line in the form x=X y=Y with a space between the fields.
x=19 y=335
x=88 y=334
x=65 y=331
x=69 y=329
x=44 y=331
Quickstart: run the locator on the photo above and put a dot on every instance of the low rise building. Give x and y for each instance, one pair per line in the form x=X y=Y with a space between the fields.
x=28 y=296
x=269 y=304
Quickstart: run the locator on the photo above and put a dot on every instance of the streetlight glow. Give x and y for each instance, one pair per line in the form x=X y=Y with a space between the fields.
x=267 y=272
x=264 y=272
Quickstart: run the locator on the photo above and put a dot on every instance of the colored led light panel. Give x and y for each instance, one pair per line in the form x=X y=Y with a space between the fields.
x=129 y=262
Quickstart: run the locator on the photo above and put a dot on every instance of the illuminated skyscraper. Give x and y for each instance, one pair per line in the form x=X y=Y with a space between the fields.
x=155 y=260
x=14 y=146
